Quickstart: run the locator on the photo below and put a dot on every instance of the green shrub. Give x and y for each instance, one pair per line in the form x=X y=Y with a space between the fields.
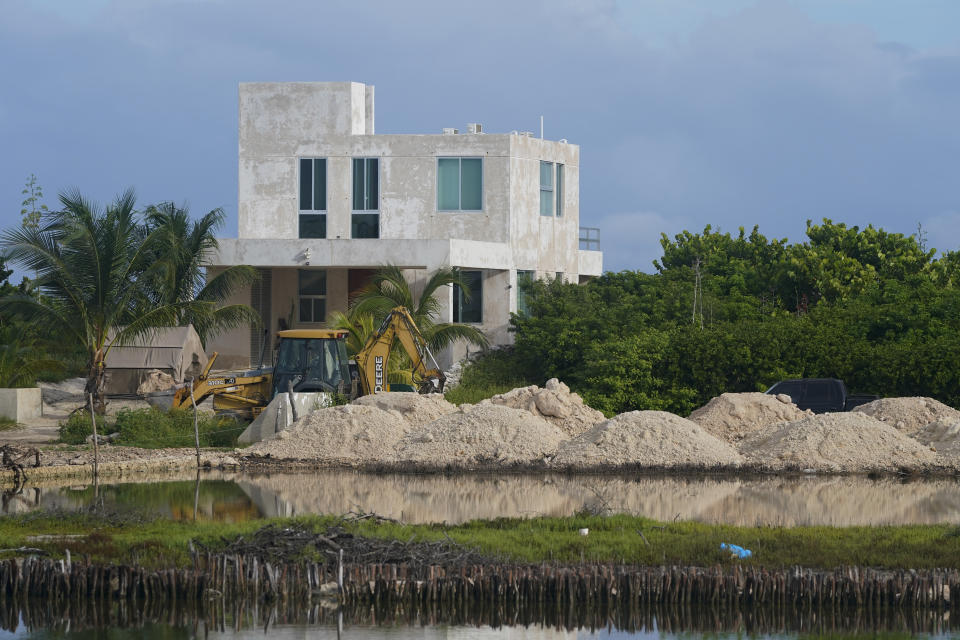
x=155 y=429
x=489 y=374
x=78 y=427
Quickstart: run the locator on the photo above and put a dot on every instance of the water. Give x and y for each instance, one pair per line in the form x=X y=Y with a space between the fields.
x=433 y=498
x=414 y=498
x=293 y=623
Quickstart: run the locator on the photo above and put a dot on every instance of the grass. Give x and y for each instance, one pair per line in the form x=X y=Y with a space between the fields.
x=489 y=374
x=7 y=424
x=129 y=537
x=155 y=429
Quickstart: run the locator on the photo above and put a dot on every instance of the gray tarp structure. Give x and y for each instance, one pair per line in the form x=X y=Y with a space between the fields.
x=176 y=351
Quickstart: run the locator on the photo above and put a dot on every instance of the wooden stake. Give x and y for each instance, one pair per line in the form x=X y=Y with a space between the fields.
x=196 y=429
x=96 y=445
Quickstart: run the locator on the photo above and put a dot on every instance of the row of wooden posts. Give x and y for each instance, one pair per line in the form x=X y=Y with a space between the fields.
x=464 y=588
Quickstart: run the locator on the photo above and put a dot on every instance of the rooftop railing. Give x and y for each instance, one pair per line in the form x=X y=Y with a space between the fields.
x=590 y=238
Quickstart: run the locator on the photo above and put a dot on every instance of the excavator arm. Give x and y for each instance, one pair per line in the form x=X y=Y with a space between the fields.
x=373 y=358
x=235 y=392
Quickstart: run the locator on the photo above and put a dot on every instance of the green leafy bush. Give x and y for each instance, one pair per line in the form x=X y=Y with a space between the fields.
x=487 y=375
x=78 y=427
x=155 y=429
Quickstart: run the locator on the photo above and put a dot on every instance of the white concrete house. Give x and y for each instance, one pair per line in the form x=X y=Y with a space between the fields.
x=324 y=200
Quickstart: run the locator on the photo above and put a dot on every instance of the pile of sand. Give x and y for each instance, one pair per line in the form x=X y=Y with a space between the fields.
x=348 y=434
x=648 y=438
x=733 y=416
x=481 y=435
x=156 y=380
x=836 y=442
x=415 y=408
x=908 y=415
x=943 y=436
x=554 y=403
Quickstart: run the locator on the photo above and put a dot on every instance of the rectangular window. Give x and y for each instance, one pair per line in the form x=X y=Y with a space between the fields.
x=459 y=184
x=313 y=198
x=558 y=276
x=546 y=188
x=559 y=190
x=313 y=225
x=312 y=294
x=524 y=278
x=366 y=197
x=366 y=184
x=468 y=306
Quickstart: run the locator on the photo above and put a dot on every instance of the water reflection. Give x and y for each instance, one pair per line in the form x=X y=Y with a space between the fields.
x=839 y=501
x=116 y=621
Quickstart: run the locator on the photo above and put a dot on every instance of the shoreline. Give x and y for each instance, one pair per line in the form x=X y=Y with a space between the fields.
x=143 y=461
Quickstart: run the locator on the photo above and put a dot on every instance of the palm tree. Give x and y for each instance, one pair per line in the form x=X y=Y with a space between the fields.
x=94 y=266
x=388 y=289
x=183 y=249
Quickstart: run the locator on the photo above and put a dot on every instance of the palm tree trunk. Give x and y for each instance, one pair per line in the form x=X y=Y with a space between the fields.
x=96 y=374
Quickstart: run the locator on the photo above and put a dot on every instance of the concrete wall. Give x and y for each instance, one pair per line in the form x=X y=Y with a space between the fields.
x=21 y=404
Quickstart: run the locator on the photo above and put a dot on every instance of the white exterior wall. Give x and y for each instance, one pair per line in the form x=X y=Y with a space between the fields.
x=280 y=123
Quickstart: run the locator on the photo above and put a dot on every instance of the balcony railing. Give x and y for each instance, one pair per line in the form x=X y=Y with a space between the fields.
x=590 y=238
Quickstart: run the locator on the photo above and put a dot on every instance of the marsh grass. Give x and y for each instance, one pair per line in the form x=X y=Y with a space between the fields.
x=614 y=539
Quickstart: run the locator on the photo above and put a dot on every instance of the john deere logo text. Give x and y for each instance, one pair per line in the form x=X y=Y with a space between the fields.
x=378 y=374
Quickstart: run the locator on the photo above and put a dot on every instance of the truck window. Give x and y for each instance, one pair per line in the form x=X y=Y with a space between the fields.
x=792 y=388
x=823 y=391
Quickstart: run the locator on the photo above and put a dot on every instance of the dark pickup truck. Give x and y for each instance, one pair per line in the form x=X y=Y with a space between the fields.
x=820 y=395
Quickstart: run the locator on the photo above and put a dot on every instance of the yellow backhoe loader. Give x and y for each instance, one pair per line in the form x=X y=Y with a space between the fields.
x=311 y=360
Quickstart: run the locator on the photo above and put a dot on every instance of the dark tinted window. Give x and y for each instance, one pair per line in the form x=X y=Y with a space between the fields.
x=469 y=308
x=822 y=391
x=365 y=225
x=792 y=389
x=313 y=225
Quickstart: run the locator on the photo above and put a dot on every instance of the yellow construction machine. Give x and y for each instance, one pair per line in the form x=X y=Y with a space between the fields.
x=375 y=354
x=315 y=360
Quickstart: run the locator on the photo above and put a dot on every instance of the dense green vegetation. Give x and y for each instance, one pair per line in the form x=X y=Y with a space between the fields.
x=491 y=373
x=120 y=537
x=155 y=429
x=739 y=312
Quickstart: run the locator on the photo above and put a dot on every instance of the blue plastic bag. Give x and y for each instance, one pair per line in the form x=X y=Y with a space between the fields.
x=736 y=550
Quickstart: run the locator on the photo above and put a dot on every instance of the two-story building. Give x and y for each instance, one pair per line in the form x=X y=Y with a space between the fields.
x=324 y=200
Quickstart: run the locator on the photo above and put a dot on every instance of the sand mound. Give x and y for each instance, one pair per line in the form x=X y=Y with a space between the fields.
x=649 y=438
x=482 y=434
x=156 y=380
x=942 y=436
x=415 y=408
x=348 y=434
x=554 y=403
x=733 y=416
x=836 y=442
x=908 y=415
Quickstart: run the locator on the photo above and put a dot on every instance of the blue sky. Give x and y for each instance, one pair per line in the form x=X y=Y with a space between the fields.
x=688 y=112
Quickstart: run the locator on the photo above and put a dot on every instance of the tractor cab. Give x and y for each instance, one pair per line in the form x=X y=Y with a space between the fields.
x=311 y=360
